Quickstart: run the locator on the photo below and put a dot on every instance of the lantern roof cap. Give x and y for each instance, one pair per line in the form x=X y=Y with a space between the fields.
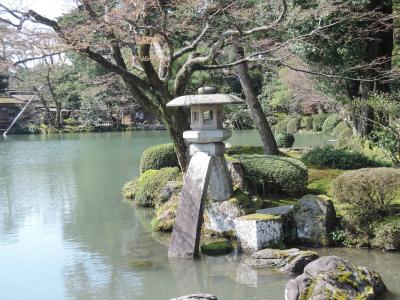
x=206 y=96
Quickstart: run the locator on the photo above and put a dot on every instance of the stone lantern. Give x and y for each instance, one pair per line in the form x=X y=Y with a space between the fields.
x=207 y=167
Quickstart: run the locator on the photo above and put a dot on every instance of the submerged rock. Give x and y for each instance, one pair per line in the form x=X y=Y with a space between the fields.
x=290 y=260
x=196 y=297
x=217 y=248
x=315 y=217
x=332 y=277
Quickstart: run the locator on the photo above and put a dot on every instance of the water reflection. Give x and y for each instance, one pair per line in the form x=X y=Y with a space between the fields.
x=65 y=232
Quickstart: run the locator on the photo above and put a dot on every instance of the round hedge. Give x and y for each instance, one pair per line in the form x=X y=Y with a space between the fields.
x=271 y=174
x=292 y=125
x=330 y=123
x=318 y=121
x=306 y=123
x=158 y=157
x=284 y=140
x=343 y=125
x=339 y=158
x=150 y=183
x=281 y=126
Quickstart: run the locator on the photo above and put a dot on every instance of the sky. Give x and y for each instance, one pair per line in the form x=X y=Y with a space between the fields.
x=48 y=8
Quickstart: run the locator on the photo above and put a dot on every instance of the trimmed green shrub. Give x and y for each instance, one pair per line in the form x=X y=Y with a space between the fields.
x=270 y=174
x=158 y=157
x=284 y=140
x=345 y=136
x=293 y=125
x=306 y=123
x=330 y=123
x=281 y=126
x=318 y=121
x=150 y=183
x=70 y=121
x=341 y=126
x=129 y=189
x=244 y=149
x=366 y=196
x=339 y=158
x=387 y=235
x=368 y=191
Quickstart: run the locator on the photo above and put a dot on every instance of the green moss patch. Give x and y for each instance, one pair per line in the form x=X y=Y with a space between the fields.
x=261 y=217
x=217 y=248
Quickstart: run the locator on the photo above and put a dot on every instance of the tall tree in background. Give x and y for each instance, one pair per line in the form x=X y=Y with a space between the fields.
x=355 y=53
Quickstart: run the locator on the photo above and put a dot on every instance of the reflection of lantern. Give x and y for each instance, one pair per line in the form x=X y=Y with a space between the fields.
x=207 y=165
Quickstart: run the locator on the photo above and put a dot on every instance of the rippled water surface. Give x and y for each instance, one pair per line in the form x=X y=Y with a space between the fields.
x=66 y=234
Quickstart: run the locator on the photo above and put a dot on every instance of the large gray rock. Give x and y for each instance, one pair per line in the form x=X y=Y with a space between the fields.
x=315 y=217
x=332 y=277
x=290 y=260
x=219 y=216
x=258 y=231
x=170 y=189
x=237 y=175
x=196 y=297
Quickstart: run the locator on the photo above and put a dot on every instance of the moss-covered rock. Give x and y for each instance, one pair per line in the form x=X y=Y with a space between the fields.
x=216 y=248
x=315 y=217
x=332 y=277
x=165 y=215
x=150 y=184
x=129 y=189
x=219 y=216
x=270 y=174
x=288 y=260
x=158 y=157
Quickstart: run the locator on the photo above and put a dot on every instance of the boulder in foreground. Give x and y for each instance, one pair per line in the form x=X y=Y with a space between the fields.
x=332 y=277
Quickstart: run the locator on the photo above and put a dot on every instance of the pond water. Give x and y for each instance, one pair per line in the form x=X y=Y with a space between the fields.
x=65 y=232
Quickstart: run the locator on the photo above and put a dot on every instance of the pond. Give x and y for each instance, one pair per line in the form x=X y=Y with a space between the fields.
x=65 y=232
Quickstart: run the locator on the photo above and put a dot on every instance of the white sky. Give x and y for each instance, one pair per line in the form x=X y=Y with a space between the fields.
x=47 y=8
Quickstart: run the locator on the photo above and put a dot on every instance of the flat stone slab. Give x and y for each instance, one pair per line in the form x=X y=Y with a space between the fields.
x=186 y=231
x=258 y=231
x=289 y=260
x=284 y=210
x=207 y=136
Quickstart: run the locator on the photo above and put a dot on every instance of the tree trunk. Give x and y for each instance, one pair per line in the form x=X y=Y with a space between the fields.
x=262 y=125
x=176 y=123
x=58 y=115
